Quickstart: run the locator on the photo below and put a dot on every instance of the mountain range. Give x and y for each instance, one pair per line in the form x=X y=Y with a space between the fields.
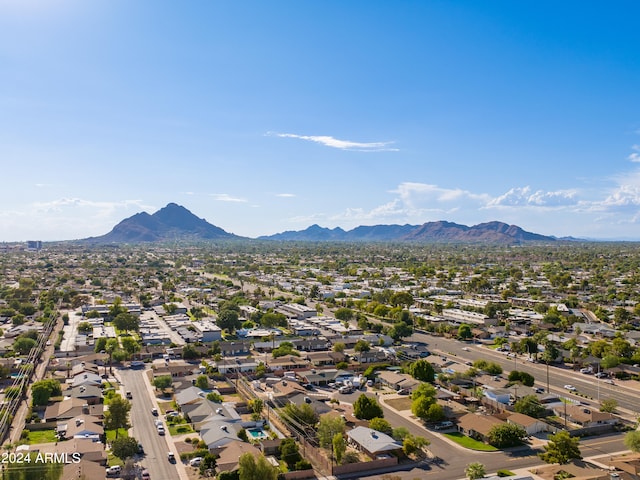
x=174 y=222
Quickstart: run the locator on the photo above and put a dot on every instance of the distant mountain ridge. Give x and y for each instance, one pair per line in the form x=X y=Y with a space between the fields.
x=430 y=232
x=176 y=223
x=171 y=223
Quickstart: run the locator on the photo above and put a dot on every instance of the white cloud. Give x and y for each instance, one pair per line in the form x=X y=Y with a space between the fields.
x=285 y=195
x=524 y=197
x=225 y=197
x=328 y=141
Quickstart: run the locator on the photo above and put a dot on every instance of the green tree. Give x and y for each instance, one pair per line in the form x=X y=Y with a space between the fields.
x=522 y=377
x=506 y=435
x=530 y=405
x=289 y=452
x=422 y=399
x=381 y=425
x=632 y=440
x=327 y=428
x=339 y=447
x=362 y=346
x=202 y=382
x=344 y=314
x=100 y=344
x=435 y=412
x=339 y=347
x=229 y=320
x=85 y=327
x=422 y=370
x=251 y=468
x=124 y=447
x=118 y=414
x=127 y=322
x=303 y=414
x=474 y=470
x=366 y=408
x=464 y=332
x=23 y=345
x=42 y=390
x=163 y=382
x=130 y=345
x=411 y=444
x=561 y=448
x=609 y=405
x=400 y=330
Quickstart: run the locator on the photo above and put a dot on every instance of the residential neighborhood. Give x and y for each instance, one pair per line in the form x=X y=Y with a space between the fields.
x=152 y=364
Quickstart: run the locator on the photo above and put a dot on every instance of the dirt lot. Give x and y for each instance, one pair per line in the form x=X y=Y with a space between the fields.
x=399 y=404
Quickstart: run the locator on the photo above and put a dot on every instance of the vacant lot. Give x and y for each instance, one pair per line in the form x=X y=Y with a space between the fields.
x=399 y=403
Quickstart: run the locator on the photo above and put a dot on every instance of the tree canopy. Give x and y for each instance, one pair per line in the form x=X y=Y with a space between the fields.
x=561 y=448
x=366 y=408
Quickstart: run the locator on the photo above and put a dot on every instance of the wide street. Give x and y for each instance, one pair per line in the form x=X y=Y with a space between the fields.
x=155 y=446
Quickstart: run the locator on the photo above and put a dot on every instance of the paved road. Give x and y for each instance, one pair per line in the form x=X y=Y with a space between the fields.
x=155 y=446
x=624 y=393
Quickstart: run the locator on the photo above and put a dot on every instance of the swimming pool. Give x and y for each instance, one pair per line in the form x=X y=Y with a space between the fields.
x=257 y=434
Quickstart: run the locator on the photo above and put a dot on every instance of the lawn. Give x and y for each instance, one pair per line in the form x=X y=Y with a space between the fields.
x=42 y=436
x=111 y=434
x=470 y=443
x=179 y=429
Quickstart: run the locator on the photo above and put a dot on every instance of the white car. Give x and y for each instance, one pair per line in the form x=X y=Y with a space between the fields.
x=571 y=388
x=195 y=462
x=609 y=381
x=466 y=349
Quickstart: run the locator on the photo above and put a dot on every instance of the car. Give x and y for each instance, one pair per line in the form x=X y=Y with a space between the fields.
x=466 y=349
x=154 y=411
x=114 y=470
x=145 y=475
x=344 y=389
x=369 y=383
x=538 y=390
x=468 y=363
x=140 y=449
x=129 y=395
x=586 y=371
x=600 y=375
x=308 y=386
x=571 y=388
x=444 y=425
x=403 y=391
x=195 y=461
x=171 y=457
x=160 y=430
x=609 y=381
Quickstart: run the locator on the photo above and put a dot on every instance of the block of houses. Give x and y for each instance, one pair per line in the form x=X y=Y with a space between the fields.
x=231 y=349
x=236 y=365
x=288 y=362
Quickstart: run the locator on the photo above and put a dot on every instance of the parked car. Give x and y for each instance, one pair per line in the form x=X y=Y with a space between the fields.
x=444 y=425
x=129 y=395
x=154 y=411
x=195 y=462
x=571 y=388
x=345 y=389
x=160 y=430
x=114 y=470
x=140 y=449
x=600 y=375
x=609 y=381
x=403 y=391
x=145 y=475
x=538 y=390
x=171 y=457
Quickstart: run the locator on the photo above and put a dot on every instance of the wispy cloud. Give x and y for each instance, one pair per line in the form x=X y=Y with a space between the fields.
x=635 y=155
x=101 y=209
x=329 y=141
x=285 y=195
x=225 y=197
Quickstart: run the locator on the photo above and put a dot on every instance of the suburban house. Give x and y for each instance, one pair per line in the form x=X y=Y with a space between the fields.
x=500 y=395
x=323 y=359
x=398 y=381
x=372 y=442
x=236 y=365
x=218 y=433
x=529 y=424
x=70 y=408
x=477 y=426
x=230 y=454
x=586 y=416
x=82 y=426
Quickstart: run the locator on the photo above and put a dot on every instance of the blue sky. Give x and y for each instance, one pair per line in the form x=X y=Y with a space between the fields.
x=263 y=116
